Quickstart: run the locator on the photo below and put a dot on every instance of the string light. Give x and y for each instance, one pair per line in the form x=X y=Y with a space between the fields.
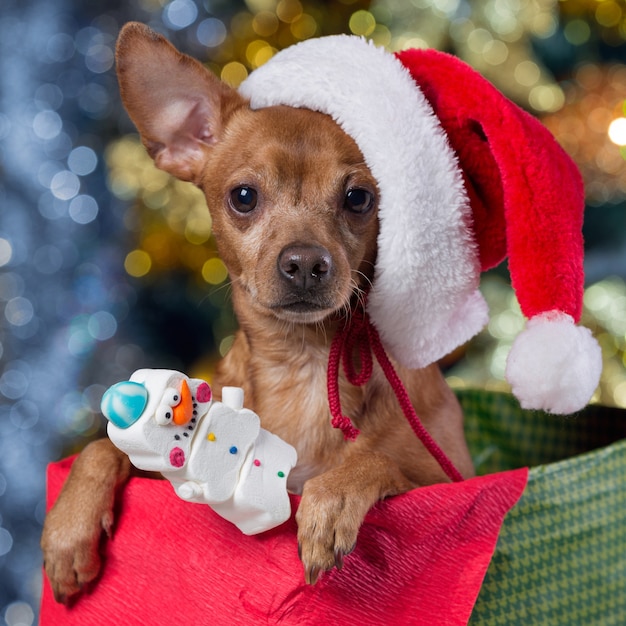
x=617 y=131
x=590 y=128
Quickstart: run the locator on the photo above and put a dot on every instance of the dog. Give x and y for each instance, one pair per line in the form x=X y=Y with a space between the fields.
x=294 y=209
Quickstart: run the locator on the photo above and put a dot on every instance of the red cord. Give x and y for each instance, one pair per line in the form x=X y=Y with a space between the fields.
x=361 y=333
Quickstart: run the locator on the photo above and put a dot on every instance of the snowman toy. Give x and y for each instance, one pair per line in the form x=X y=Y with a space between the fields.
x=212 y=452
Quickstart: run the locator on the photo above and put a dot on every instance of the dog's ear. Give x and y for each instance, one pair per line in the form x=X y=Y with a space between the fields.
x=175 y=102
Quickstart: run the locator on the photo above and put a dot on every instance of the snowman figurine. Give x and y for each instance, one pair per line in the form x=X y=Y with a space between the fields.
x=212 y=452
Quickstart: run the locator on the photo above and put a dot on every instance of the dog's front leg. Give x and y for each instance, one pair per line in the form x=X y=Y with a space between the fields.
x=84 y=508
x=335 y=503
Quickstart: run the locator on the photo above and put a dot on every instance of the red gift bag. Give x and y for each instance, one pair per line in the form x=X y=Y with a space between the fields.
x=420 y=559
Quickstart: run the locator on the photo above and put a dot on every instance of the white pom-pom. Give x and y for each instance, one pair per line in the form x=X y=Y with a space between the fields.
x=554 y=365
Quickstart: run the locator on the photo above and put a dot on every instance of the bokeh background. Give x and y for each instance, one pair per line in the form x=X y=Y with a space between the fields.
x=107 y=265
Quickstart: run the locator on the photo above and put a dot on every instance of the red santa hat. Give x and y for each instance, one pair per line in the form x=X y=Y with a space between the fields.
x=466 y=178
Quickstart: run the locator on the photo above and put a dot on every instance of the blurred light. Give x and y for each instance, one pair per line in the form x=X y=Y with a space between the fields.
x=619 y=394
x=495 y=52
x=304 y=27
x=151 y=179
x=214 y=271
x=577 y=32
x=447 y=7
x=617 y=131
x=258 y=52
x=479 y=39
x=19 y=311
x=609 y=161
x=137 y=263
x=156 y=199
x=593 y=101
x=544 y=25
x=506 y=325
x=123 y=184
x=99 y=58
x=265 y=23
x=381 y=36
x=102 y=325
x=60 y=48
x=79 y=341
x=64 y=185
x=506 y=24
x=6 y=252
x=77 y=419
x=82 y=161
x=13 y=384
x=85 y=38
x=180 y=14
x=83 y=209
x=362 y=23
x=6 y=541
x=599 y=119
x=211 y=32
x=597 y=297
x=234 y=73
x=198 y=229
x=288 y=10
x=19 y=614
x=527 y=73
x=160 y=247
x=546 y=98
x=241 y=26
x=47 y=124
x=226 y=344
x=498 y=361
x=608 y=13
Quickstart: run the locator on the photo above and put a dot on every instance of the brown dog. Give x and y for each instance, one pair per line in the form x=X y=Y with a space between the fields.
x=294 y=210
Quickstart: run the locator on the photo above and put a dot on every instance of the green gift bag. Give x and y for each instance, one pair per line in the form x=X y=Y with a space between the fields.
x=561 y=554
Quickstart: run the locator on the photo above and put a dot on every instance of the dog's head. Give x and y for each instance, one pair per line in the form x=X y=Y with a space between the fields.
x=293 y=204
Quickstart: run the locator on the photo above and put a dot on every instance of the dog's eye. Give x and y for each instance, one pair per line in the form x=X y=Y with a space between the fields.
x=358 y=200
x=243 y=199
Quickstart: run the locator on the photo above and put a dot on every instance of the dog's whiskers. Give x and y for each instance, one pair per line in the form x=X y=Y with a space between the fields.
x=226 y=285
x=365 y=278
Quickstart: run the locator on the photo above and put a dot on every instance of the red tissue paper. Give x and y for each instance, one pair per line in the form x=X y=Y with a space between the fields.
x=420 y=559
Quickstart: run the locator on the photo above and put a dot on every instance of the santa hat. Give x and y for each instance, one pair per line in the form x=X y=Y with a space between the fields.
x=466 y=178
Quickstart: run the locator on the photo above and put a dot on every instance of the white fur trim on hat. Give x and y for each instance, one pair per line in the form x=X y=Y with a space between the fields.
x=424 y=301
x=554 y=365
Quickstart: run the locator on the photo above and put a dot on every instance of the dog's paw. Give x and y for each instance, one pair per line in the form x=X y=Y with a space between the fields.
x=328 y=525
x=71 y=550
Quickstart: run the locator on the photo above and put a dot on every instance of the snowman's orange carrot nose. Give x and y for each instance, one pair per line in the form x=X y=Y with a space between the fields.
x=183 y=411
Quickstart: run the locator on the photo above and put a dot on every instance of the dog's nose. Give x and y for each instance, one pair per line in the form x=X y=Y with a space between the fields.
x=305 y=266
